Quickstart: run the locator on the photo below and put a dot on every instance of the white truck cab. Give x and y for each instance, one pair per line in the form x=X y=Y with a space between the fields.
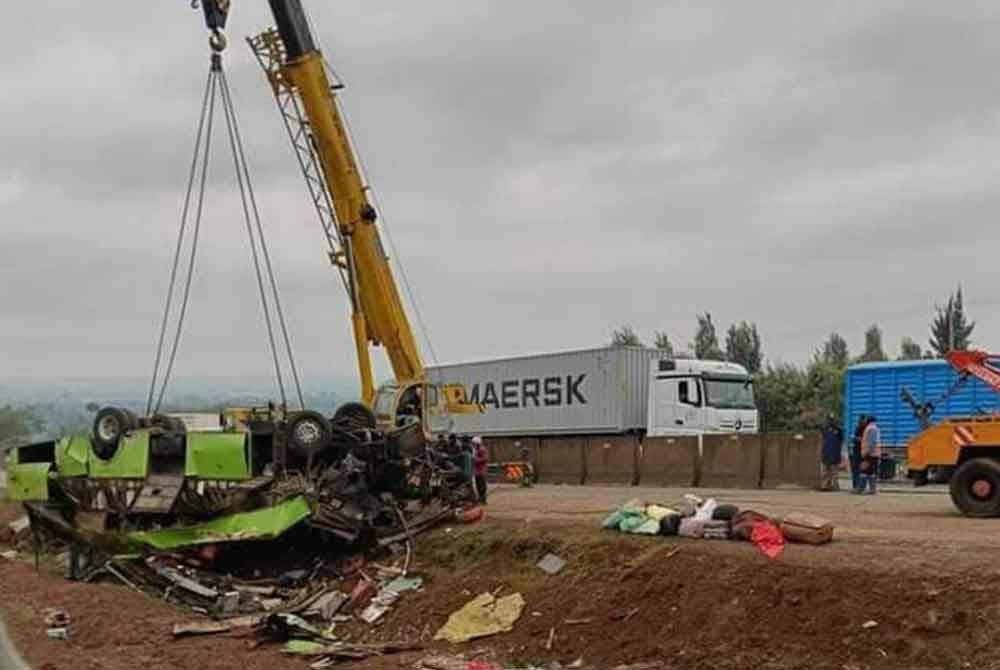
x=694 y=397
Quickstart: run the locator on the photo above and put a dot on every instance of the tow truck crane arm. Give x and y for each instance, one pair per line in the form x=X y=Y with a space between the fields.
x=977 y=364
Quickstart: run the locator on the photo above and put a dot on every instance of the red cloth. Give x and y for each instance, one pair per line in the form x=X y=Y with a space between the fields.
x=768 y=538
x=482 y=460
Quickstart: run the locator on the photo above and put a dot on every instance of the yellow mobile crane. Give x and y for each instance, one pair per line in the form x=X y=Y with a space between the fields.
x=308 y=104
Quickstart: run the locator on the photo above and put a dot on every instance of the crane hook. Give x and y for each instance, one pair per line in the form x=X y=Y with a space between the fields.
x=217 y=41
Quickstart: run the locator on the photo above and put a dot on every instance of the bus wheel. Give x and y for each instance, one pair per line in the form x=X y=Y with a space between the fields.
x=308 y=432
x=354 y=416
x=975 y=487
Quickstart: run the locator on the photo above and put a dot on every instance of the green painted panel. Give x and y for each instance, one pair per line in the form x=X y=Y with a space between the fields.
x=29 y=481
x=217 y=456
x=72 y=455
x=131 y=461
x=261 y=524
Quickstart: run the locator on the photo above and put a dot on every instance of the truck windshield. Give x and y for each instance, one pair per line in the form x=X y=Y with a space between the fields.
x=384 y=402
x=733 y=393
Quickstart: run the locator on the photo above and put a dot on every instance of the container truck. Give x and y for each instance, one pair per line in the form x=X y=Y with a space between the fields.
x=606 y=391
x=877 y=389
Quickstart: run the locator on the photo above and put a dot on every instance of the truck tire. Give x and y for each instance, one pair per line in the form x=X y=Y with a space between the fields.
x=354 y=416
x=168 y=423
x=975 y=487
x=308 y=432
x=110 y=424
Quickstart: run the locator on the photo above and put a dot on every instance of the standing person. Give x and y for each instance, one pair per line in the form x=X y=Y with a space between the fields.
x=482 y=459
x=871 y=452
x=833 y=442
x=854 y=454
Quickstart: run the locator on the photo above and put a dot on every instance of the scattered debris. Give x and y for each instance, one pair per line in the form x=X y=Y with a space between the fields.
x=56 y=617
x=869 y=624
x=201 y=628
x=694 y=517
x=10 y=555
x=19 y=526
x=551 y=640
x=461 y=663
x=623 y=615
x=551 y=564
x=482 y=616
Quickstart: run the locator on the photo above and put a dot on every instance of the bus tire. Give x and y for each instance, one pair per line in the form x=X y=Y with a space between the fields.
x=110 y=425
x=308 y=432
x=354 y=416
x=975 y=487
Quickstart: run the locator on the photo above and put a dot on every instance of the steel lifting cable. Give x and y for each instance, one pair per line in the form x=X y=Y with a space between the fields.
x=247 y=196
x=180 y=244
x=207 y=115
x=218 y=85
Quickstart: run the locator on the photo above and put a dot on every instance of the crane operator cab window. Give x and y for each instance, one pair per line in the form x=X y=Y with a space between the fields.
x=411 y=406
x=385 y=404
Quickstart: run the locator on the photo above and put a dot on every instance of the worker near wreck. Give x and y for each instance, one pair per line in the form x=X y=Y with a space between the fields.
x=481 y=460
x=871 y=452
x=833 y=442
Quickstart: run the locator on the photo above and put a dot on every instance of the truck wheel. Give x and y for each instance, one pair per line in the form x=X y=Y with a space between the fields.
x=308 y=432
x=975 y=487
x=110 y=424
x=168 y=423
x=354 y=416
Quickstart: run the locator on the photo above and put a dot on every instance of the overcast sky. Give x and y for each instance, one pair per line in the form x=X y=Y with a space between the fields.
x=548 y=170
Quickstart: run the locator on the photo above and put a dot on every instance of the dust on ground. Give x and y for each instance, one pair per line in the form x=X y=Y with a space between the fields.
x=903 y=560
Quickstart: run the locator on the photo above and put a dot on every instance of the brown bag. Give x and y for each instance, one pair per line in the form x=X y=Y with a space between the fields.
x=743 y=523
x=807 y=528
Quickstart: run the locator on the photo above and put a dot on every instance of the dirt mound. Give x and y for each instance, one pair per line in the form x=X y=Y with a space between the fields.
x=628 y=599
x=620 y=599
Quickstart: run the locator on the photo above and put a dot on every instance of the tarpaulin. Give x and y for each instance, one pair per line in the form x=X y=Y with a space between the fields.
x=261 y=524
x=768 y=538
x=482 y=616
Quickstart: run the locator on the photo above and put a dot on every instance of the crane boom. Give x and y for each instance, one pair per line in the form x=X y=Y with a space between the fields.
x=378 y=315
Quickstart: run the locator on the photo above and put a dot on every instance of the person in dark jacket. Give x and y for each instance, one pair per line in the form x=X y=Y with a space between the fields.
x=833 y=441
x=854 y=455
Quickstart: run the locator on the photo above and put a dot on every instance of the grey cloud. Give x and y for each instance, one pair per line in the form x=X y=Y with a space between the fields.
x=548 y=170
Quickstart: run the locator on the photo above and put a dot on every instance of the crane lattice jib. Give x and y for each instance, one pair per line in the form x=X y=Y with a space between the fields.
x=379 y=316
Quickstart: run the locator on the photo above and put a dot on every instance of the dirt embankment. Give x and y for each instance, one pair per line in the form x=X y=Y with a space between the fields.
x=620 y=599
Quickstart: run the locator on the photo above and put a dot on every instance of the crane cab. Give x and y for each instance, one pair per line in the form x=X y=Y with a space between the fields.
x=429 y=403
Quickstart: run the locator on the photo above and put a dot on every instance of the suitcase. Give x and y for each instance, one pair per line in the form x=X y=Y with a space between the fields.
x=807 y=528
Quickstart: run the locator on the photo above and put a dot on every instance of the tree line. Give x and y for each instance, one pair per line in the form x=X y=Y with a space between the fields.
x=794 y=397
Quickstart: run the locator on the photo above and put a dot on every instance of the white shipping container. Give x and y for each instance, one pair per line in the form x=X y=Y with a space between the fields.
x=594 y=391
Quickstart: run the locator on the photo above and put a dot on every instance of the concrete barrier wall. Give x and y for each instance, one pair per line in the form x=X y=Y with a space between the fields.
x=731 y=461
x=791 y=459
x=561 y=460
x=669 y=461
x=611 y=459
x=510 y=450
x=507 y=449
